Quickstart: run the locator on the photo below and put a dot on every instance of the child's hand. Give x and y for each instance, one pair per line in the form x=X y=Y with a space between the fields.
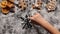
x=36 y=17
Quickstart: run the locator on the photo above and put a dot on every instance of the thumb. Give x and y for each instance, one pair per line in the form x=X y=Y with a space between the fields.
x=31 y=18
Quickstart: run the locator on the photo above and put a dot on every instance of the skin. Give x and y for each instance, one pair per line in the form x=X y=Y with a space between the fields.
x=41 y=21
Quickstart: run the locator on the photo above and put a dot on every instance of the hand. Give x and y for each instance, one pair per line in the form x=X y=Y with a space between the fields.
x=36 y=17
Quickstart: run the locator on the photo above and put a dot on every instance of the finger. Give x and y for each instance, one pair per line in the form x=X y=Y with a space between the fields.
x=36 y=13
x=31 y=18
